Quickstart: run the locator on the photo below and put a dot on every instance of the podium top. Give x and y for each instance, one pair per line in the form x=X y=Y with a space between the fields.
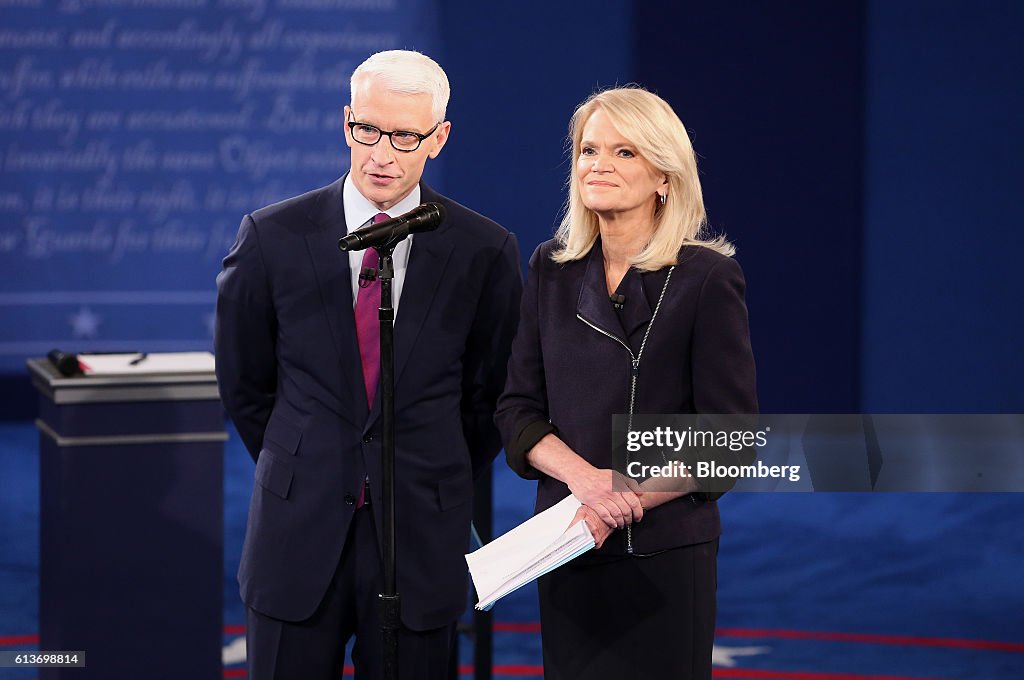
x=93 y=388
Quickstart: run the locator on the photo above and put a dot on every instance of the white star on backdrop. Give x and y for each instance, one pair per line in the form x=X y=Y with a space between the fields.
x=84 y=323
x=723 y=656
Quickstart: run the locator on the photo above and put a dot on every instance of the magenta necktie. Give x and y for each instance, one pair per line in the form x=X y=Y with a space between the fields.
x=368 y=320
x=368 y=330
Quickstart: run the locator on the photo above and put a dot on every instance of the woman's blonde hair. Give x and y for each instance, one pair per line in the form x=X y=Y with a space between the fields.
x=649 y=123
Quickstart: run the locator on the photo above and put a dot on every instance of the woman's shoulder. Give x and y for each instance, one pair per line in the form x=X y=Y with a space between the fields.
x=542 y=257
x=545 y=249
x=701 y=261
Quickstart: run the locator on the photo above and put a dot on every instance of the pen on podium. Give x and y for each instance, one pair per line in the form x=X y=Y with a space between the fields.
x=139 y=359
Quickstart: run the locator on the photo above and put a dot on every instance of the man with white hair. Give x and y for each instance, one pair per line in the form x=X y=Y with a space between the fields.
x=298 y=370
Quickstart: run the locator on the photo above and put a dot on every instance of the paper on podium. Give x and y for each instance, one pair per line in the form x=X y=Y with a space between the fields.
x=535 y=547
x=146 y=364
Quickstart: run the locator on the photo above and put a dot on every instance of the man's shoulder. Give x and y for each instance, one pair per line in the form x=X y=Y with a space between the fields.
x=467 y=221
x=295 y=206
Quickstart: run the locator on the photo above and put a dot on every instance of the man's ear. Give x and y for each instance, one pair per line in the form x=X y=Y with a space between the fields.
x=344 y=126
x=439 y=138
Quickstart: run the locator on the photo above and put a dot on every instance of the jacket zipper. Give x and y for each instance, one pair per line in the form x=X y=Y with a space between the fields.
x=634 y=372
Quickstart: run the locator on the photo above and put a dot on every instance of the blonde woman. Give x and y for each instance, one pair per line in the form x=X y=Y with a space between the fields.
x=630 y=303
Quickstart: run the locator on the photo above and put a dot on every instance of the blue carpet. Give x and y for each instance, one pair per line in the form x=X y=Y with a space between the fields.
x=927 y=578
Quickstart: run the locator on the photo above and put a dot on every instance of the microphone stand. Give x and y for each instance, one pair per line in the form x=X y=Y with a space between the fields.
x=425 y=217
x=390 y=600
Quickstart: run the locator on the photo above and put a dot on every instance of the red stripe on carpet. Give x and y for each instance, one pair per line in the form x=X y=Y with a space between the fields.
x=8 y=640
x=753 y=674
x=511 y=627
x=872 y=639
x=777 y=633
x=510 y=669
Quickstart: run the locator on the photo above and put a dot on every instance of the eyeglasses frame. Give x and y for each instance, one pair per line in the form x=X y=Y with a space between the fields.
x=387 y=133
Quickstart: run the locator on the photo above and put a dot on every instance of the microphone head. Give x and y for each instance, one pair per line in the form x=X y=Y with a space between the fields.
x=65 y=363
x=424 y=217
x=429 y=217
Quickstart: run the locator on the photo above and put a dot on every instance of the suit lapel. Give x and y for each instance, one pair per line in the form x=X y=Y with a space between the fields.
x=335 y=283
x=427 y=261
x=636 y=311
x=593 y=304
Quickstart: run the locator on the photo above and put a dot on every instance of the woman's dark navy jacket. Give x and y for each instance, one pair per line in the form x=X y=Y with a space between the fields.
x=565 y=376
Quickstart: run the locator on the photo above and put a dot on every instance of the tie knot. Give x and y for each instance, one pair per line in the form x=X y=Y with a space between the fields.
x=380 y=217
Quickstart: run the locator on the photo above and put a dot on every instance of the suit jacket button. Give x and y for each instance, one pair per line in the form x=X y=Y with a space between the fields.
x=368 y=438
x=350 y=499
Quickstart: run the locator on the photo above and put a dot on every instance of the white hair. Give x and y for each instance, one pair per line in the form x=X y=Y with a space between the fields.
x=404 y=72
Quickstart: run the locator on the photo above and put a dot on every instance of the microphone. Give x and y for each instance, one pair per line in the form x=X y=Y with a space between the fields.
x=367 y=276
x=618 y=301
x=65 y=362
x=422 y=218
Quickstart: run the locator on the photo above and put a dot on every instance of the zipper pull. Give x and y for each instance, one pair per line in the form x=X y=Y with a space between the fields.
x=636 y=368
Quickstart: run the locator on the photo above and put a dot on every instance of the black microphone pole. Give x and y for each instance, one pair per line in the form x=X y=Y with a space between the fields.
x=383 y=237
x=390 y=600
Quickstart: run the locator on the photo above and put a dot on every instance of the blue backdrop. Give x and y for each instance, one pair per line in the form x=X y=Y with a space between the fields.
x=132 y=140
x=863 y=156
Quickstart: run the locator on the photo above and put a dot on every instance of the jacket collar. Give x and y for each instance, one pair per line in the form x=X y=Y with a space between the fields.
x=595 y=307
x=326 y=224
x=427 y=261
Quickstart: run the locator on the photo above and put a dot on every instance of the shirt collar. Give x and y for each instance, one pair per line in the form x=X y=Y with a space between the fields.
x=359 y=210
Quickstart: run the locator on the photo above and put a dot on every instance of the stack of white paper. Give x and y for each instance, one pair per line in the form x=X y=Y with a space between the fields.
x=146 y=364
x=535 y=547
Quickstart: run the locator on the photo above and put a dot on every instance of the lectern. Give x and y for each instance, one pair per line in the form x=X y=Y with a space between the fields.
x=131 y=524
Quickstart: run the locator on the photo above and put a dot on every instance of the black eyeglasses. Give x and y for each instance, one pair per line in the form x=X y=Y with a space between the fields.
x=401 y=140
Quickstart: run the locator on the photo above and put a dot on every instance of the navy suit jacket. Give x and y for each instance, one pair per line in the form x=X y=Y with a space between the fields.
x=570 y=370
x=290 y=378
